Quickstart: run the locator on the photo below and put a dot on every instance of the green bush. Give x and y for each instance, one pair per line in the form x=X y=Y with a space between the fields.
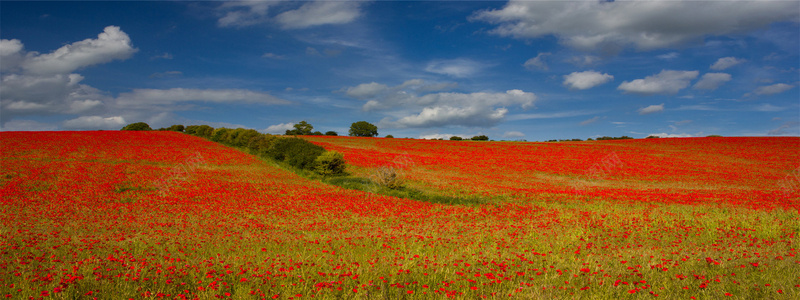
x=220 y=135
x=456 y=138
x=260 y=144
x=331 y=133
x=330 y=163
x=138 y=126
x=480 y=138
x=298 y=153
x=389 y=136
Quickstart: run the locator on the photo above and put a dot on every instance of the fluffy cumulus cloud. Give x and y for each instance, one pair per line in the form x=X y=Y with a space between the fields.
x=670 y=135
x=666 y=82
x=36 y=84
x=309 y=14
x=439 y=116
x=111 y=44
x=459 y=67
x=279 y=128
x=712 y=81
x=586 y=80
x=651 y=109
x=773 y=89
x=608 y=26
x=726 y=62
x=423 y=107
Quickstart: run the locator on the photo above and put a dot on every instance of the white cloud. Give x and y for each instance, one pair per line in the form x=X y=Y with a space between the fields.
x=513 y=134
x=95 y=122
x=586 y=80
x=447 y=115
x=320 y=13
x=590 y=121
x=146 y=97
x=651 y=109
x=27 y=125
x=366 y=90
x=609 y=26
x=112 y=44
x=671 y=135
x=584 y=60
x=726 y=62
x=244 y=13
x=309 y=14
x=537 y=63
x=788 y=128
x=436 y=136
x=669 y=56
x=555 y=115
x=279 y=128
x=442 y=109
x=460 y=67
x=51 y=94
x=773 y=89
x=10 y=54
x=666 y=82
x=712 y=81
x=272 y=55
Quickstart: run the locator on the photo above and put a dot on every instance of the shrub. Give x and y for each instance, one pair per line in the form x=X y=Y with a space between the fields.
x=388 y=177
x=331 y=133
x=260 y=144
x=652 y=137
x=220 y=135
x=296 y=152
x=138 y=126
x=329 y=163
x=456 y=138
x=480 y=138
x=389 y=136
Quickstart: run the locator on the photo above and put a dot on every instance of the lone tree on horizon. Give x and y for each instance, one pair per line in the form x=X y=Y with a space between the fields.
x=363 y=129
x=302 y=128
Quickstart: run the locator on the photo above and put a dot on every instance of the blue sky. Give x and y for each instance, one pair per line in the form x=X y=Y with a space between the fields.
x=533 y=70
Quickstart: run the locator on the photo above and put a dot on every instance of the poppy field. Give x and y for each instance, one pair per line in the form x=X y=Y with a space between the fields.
x=166 y=215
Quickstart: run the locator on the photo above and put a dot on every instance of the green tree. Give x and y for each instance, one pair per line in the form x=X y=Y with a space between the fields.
x=138 y=126
x=331 y=133
x=389 y=136
x=302 y=128
x=456 y=138
x=364 y=129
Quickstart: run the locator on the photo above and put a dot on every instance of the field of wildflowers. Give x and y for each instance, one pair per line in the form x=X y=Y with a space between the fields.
x=164 y=215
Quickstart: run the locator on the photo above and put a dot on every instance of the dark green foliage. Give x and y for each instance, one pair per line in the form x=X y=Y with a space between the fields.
x=363 y=129
x=389 y=136
x=260 y=144
x=330 y=163
x=316 y=133
x=714 y=135
x=178 y=128
x=331 y=133
x=624 y=137
x=456 y=138
x=220 y=135
x=241 y=137
x=480 y=138
x=652 y=137
x=296 y=152
x=302 y=128
x=138 y=126
x=199 y=130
